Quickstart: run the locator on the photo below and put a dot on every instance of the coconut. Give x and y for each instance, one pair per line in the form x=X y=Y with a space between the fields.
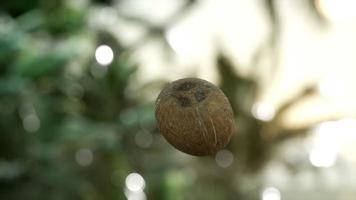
x=194 y=116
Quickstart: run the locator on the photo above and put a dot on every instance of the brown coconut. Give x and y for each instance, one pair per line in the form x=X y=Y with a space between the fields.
x=194 y=116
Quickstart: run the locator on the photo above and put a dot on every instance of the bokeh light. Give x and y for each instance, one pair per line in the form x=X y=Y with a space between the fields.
x=271 y=193
x=324 y=152
x=323 y=157
x=224 y=158
x=143 y=139
x=84 y=157
x=263 y=111
x=30 y=120
x=130 y=195
x=104 y=55
x=333 y=139
x=31 y=123
x=135 y=182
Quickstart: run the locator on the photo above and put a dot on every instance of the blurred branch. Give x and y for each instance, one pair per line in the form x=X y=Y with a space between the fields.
x=271 y=45
x=154 y=30
x=314 y=10
x=273 y=16
x=249 y=145
x=239 y=90
x=287 y=105
x=274 y=129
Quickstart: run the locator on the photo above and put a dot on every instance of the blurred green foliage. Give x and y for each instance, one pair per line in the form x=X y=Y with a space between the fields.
x=52 y=106
x=72 y=129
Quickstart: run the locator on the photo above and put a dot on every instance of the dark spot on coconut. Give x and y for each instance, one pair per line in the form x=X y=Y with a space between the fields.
x=183 y=101
x=186 y=86
x=200 y=95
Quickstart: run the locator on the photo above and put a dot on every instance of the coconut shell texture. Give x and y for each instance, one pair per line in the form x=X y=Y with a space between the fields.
x=194 y=116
